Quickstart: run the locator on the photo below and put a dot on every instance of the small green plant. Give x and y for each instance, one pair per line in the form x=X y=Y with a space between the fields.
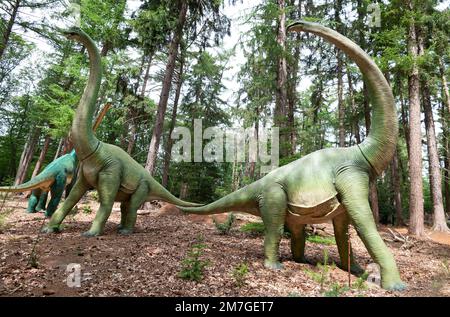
x=254 y=228
x=33 y=260
x=224 y=228
x=240 y=274
x=294 y=294
x=87 y=209
x=321 y=240
x=336 y=290
x=322 y=277
x=360 y=282
x=192 y=266
x=94 y=195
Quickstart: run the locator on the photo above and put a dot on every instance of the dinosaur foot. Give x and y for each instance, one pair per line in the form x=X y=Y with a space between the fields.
x=394 y=286
x=273 y=265
x=89 y=234
x=48 y=229
x=124 y=231
x=31 y=211
x=48 y=215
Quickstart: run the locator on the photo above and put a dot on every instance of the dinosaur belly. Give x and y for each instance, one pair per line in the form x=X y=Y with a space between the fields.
x=319 y=213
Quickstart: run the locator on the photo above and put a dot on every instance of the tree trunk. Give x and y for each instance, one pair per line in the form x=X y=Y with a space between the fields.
x=354 y=108
x=146 y=76
x=59 y=148
x=9 y=26
x=404 y=113
x=280 y=115
x=41 y=159
x=439 y=221
x=183 y=190
x=416 y=213
x=27 y=156
x=445 y=115
x=444 y=83
x=168 y=152
x=396 y=184
x=167 y=83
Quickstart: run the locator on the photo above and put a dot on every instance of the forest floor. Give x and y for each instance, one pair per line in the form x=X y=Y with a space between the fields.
x=148 y=262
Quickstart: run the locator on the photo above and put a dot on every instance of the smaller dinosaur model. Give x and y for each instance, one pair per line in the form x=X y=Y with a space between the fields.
x=53 y=179
x=105 y=167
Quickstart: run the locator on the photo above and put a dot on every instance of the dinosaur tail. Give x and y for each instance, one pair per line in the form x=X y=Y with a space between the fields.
x=43 y=180
x=159 y=192
x=244 y=199
x=378 y=148
x=83 y=138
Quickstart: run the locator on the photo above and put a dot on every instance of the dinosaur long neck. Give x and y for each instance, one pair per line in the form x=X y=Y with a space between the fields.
x=83 y=138
x=379 y=146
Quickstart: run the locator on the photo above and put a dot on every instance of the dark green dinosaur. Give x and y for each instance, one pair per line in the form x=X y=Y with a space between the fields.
x=103 y=166
x=53 y=178
x=330 y=184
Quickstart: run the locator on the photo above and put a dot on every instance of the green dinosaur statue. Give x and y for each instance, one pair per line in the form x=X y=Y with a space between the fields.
x=53 y=178
x=105 y=167
x=330 y=184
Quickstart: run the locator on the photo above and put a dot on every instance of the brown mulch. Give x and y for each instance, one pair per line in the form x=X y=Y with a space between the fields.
x=148 y=262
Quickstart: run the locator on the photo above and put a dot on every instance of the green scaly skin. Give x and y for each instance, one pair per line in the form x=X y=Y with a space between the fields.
x=53 y=178
x=330 y=184
x=105 y=167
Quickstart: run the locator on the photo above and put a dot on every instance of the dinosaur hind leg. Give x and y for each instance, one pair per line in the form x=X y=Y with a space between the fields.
x=353 y=186
x=42 y=201
x=107 y=187
x=79 y=189
x=137 y=199
x=33 y=200
x=340 y=224
x=297 y=241
x=272 y=206
x=124 y=207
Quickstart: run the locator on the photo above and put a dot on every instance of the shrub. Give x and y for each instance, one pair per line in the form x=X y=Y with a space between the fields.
x=192 y=265
x=240 y=274
x=224 y=228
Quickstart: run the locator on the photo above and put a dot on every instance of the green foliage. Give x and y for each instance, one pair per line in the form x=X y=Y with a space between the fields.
x=360 y=282
x=336 y=290
x=192 y=266
x=323 y=275
x=4 y=214
x=321 y=240
x=87 y=210
x=224 y=228
x=240 y=273
x=254 y=228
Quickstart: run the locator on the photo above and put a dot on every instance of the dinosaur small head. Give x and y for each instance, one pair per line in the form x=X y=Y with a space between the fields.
x=301 y=25
x=73 y=33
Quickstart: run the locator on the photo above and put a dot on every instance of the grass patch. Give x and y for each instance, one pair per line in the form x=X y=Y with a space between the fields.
x=240 y=273
x=321 y=240
x=254 y=228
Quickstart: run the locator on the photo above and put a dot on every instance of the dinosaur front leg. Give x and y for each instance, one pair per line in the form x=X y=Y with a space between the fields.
x=340 y=224
x=124 y=207
x=57 y=191
x=353 y=188
x=79 y=189
x=297 y=241
x=108 y=186
x=33 y=200
x=42 y=201
x=138 y=197
x=272 y=206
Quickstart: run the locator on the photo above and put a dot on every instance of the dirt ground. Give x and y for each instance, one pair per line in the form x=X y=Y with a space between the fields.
x=148 y=262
